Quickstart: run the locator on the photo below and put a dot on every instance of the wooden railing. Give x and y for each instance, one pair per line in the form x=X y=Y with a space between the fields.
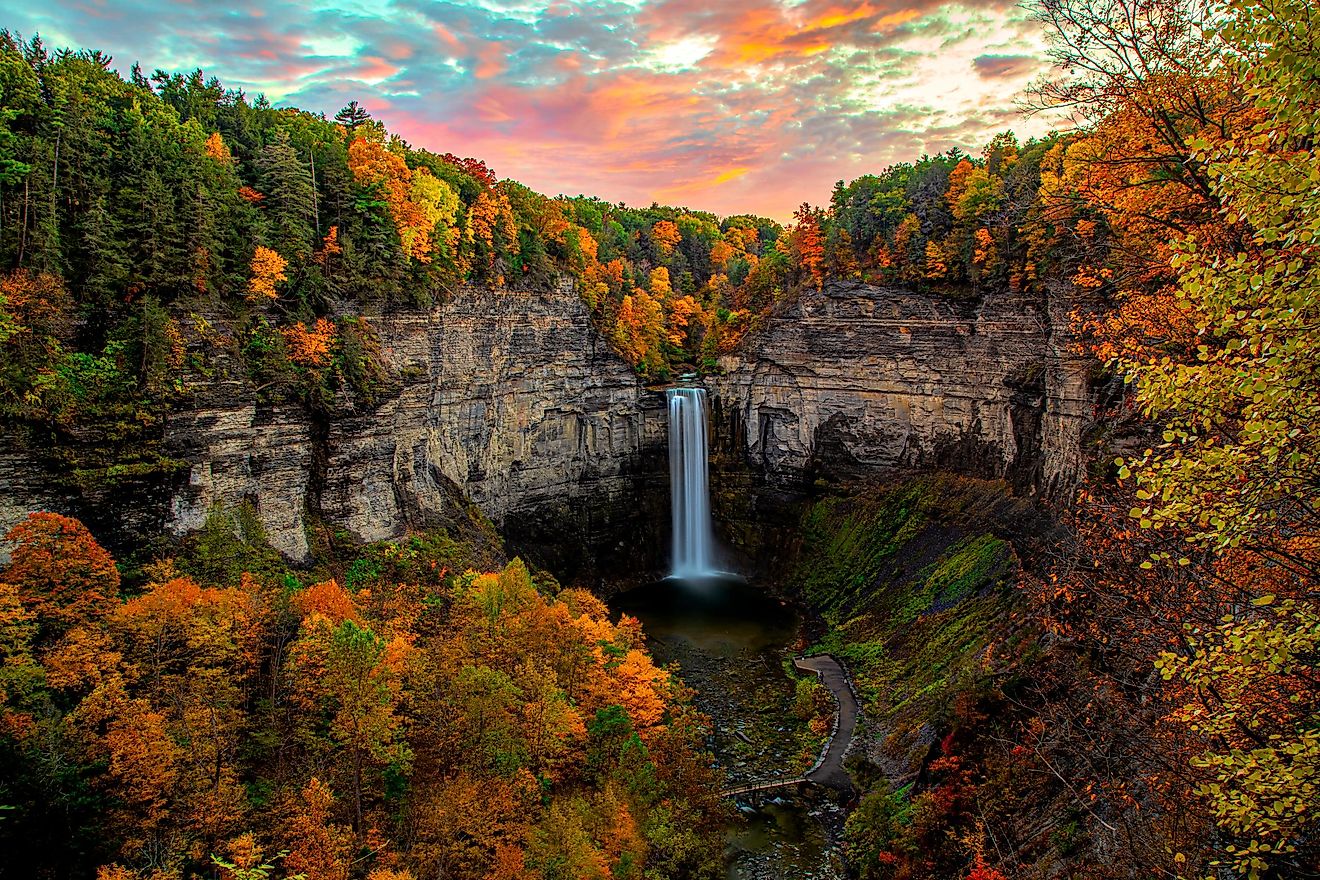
x=763 y=785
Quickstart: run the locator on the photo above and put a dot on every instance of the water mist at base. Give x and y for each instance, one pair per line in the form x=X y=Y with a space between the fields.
x=689 y=490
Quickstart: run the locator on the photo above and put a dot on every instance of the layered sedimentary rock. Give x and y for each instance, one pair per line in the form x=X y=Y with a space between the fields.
x=510 y=405
x=862 y=378
x=857 y=380
x=506 y=400
x=517 y=405
x=239 y=450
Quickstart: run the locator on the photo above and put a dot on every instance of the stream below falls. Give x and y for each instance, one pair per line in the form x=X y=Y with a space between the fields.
x=732 y=642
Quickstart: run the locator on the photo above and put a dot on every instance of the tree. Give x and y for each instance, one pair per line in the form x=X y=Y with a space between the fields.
x=354 y=677
x=352 y=116
x=310 y=346
x=658 y=283
x=319 y=849
x=666 y=236
x=217 y=150
x=808 y=242
x=1158 y=57
x=290 y=197
x=267 y=271
x=1235 y=473
x=62 y=575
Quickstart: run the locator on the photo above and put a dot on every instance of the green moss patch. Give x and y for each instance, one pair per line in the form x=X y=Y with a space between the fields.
x=915 y=586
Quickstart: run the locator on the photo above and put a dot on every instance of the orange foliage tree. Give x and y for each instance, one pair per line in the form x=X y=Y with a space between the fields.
x=666 y=236
x=310 y=346
x=63 y=577
x=267 y=271
x=808 y=243
x=417 y=202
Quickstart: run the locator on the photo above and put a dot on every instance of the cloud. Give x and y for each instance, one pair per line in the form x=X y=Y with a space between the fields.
x=1005 y=66
x=735 y=106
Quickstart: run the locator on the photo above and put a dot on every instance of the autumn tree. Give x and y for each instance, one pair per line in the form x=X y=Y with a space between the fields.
x=1200 y=554
x=659 y=284
x=666 y=236
x=809 y=244
x=267 y=271
x=217 y=150
x=36 y=323
x=310 y=346
x=639 y=330
x=353 y=676
x=1233 y=476
x=61 y=574
x=1157 y=59
x=684 y=317
x=491 y=230
x=415 y=199
x=319 y=848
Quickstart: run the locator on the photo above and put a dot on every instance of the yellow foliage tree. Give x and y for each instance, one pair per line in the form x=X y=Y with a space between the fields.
x=217 y=150
x=666 y=236
x=267 y=271
x=936 y=268
x=659 y=283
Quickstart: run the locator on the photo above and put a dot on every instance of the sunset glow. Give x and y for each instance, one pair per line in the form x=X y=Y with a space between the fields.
x=745 y=106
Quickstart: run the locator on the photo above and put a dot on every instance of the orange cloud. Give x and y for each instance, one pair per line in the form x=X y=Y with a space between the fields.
x=492 y=60
x=374 y=68
x=447 y=37
x=895 y=19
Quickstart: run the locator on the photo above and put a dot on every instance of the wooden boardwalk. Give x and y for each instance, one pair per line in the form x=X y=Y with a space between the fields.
x=828 y=769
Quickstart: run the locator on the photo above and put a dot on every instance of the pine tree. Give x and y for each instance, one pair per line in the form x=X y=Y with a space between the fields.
x=289 y=197
x=352 y=116
x=101 y=248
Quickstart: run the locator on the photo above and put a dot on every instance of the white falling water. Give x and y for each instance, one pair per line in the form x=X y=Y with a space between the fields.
x=689 y=490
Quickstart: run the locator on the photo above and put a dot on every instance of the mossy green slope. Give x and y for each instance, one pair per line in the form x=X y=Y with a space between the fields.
x=914 y=582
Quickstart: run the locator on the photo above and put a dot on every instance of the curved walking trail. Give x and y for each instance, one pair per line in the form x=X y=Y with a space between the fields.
x=828 y=769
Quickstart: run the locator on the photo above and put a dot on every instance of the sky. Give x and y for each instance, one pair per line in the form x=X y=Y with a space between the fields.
x=730 y=106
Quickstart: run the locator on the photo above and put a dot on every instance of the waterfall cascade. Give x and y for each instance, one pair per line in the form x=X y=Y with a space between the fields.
x=689 y=489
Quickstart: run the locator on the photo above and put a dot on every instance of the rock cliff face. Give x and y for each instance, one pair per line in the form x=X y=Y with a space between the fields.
x=509 y=401
x=859 y=379
x=509 y=405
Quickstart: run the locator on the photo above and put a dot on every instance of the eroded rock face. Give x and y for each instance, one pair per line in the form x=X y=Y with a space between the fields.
x=518 y=405
x=857 y=377
x=511 y=404
x=506 y=400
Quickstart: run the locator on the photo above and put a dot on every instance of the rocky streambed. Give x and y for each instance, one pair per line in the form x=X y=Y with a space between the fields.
x=733 y=642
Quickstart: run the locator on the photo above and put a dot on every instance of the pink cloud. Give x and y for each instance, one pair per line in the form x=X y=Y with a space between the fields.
x=732 y=106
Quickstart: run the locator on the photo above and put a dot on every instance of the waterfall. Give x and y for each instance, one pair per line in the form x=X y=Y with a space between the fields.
x=688 y=487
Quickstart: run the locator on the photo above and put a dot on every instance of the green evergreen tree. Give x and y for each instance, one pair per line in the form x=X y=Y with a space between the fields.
x=352 y=116
x=289 y=197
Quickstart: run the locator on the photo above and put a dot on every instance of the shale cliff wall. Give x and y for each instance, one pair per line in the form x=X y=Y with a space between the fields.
x=857 y=379
x=510 y=403
x=863 y=378
x=506 y=400
x=504 y=404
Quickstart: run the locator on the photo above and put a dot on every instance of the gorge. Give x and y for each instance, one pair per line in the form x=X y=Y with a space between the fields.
x=360 y=504
x=511 y=401
x=508 y=405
